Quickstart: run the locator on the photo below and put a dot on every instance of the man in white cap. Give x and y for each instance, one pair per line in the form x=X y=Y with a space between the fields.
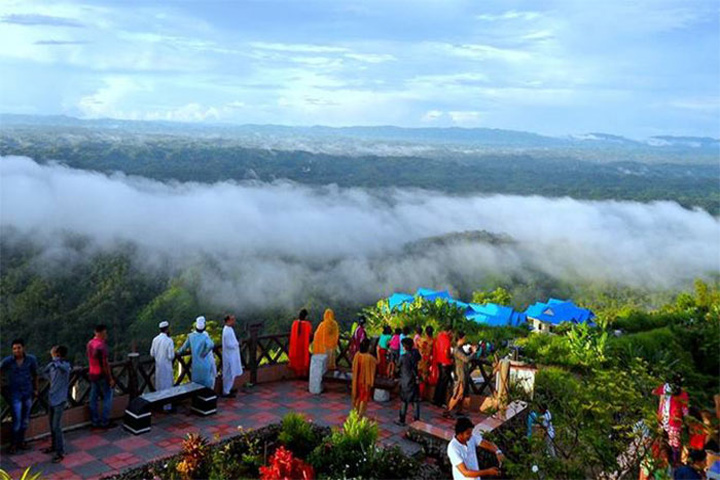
x=203 y=361
x=232 y=366
x=163 y=351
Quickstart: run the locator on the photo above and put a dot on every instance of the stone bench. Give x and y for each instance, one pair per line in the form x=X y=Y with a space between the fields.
x=138 y=414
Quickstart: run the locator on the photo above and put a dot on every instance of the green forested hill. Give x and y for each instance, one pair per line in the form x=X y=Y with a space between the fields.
x=553 y=173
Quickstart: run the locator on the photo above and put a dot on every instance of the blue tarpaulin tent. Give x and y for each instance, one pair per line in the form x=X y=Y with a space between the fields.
x=555 y=312
x=495 y=315
x=487 y=314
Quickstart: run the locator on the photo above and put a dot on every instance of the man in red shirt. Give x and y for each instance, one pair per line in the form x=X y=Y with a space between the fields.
x=101 y=379
x=444 y=361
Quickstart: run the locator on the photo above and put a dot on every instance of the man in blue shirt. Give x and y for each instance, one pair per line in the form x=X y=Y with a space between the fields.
x=58 y=372
x=21 y=371
x=694 y=469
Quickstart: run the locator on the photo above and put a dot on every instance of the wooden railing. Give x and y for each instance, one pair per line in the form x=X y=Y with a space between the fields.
x=135 y=375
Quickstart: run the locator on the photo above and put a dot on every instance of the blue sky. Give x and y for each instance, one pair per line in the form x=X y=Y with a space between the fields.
x=636 y=68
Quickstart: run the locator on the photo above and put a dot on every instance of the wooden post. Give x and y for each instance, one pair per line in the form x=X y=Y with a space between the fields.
x=252 y=351
x=133 y=375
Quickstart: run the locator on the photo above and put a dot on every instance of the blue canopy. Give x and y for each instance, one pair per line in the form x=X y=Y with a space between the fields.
x=557 y=311
x=487 y=314
x=495 y=315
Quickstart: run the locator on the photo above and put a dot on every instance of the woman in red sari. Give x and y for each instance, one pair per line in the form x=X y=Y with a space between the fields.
x=299 y=350
x=425 y=345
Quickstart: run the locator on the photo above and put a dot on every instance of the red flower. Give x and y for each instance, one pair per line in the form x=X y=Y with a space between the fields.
x=283 y=466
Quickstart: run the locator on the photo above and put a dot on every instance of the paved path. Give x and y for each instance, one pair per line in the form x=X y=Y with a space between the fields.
x=92 y=454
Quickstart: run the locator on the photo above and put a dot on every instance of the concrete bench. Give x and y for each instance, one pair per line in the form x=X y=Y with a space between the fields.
x=138 y=413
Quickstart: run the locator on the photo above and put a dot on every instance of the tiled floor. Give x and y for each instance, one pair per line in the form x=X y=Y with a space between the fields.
x=93 y=454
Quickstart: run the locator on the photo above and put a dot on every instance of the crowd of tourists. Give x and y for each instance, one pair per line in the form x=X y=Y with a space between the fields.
x=21 y=376
x=418 y=361
x=425 y=365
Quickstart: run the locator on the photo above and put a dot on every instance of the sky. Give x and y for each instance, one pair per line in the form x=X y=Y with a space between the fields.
x=631 y=67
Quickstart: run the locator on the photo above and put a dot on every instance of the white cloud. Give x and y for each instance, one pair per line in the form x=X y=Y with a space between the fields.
x=297 y=47
x=250 y=231
x=488 y=52
x=509 y=15
x=465 y=118
x=371 y=57
x=432 y=115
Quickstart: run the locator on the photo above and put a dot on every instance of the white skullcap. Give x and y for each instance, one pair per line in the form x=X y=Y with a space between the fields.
x=163 y=324
x=200 y=323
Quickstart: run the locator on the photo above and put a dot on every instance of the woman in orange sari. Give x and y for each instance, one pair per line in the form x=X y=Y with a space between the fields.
x=363 y=377
x=299 y=351
x=425 y=345
x=326 y=338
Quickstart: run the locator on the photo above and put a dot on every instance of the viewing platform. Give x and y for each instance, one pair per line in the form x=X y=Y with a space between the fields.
x=94 y=454
x=275 y=391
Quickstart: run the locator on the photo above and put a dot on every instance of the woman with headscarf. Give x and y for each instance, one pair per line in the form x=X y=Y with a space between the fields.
x=326 y=338
x=363 y=377
x=203 y=361
x=357 y=338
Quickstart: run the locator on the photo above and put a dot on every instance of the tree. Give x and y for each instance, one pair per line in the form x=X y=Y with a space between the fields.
x=499 y=296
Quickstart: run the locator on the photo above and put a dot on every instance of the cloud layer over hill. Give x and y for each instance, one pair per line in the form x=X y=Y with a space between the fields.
x=255 y=244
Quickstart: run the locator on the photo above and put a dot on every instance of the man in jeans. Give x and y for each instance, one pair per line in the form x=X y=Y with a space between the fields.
x=58 y=371
x=101 y=379
x=23 y=382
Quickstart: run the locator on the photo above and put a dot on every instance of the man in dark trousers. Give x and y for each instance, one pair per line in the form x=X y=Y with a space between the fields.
x=101 y=379
x=409 y=380
x=21 y=372
x=58 y=372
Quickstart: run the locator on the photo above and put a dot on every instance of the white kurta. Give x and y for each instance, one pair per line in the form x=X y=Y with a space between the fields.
x=163 y=351
x=232 y=366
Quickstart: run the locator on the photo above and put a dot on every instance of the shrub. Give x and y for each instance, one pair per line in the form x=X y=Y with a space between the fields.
x=194 y=457
x=347 y=452
x=240 y=458
x=547 y=349
x=298 y=434
x=391 y=463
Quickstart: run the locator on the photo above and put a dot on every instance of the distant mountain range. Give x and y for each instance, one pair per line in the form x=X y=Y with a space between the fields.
x=485 y=137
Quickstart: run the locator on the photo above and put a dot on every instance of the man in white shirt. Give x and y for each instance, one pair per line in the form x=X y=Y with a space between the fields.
x=163 y=351
x=231 y=364
x=462 y=451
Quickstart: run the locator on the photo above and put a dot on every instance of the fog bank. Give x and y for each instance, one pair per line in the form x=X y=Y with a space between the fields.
x=275 y=242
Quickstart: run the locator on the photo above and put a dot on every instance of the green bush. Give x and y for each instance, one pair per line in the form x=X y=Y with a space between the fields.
x=640 y=321
x=348 y=452
x=547 y=349
x=659 y=347
x=298 y=435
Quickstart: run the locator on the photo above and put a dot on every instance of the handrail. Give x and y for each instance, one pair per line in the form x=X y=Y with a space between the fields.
x=135 y=375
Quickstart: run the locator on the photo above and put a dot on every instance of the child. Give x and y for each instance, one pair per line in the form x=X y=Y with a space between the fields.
x=409 y=381
x=383 y=349
x=394 y=356
x=58 y=371
x=363 y=377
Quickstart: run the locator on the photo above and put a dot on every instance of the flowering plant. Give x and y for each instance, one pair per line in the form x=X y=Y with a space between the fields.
x=283 y=466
